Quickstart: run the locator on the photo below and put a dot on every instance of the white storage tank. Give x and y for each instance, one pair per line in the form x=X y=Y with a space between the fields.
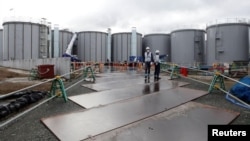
x=158 y=41
x=187 y=47
x=92 y=46
x=227 y=42
x=25 y=40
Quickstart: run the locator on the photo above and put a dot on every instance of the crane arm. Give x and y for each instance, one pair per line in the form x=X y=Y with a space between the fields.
x=70 y=45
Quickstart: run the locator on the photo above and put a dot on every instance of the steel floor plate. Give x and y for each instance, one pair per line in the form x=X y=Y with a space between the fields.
x=83 y=124
x=187 y=122
x=116 y=74
x=108 y=78
x=109 y=96
x=121 y=83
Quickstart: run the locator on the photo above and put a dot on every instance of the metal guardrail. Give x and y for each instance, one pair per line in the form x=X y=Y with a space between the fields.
x=246 y=105
x=39 y=104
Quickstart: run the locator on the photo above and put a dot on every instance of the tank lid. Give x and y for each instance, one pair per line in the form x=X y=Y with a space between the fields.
x=228 y=21
x=65 y=31
x=189 y=27
x=180 y=30
x=126 y=33
x=92 y=32
x=157 y=34
x=42 y=21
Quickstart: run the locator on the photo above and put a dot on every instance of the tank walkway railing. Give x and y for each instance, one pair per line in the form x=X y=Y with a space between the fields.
x=174 y=70
x=228 y=20
x=12 y=119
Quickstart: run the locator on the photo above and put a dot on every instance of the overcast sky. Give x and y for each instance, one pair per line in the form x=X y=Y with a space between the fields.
x=148 y=16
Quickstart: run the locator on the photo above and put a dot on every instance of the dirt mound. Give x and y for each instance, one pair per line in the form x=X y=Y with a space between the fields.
x=6 y=73
x=7 y=86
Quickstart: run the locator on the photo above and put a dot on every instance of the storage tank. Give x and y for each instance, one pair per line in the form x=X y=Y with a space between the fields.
x=227 y=42
x=122 y=46
x=25 y=40
x=1 y=44
x=92 y=46
x=159 y=42
x=187 y=46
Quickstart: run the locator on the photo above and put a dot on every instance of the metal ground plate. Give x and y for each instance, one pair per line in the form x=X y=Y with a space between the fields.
x=187 y=122
x=109 y=96
x=120 y=83
x=84 y=124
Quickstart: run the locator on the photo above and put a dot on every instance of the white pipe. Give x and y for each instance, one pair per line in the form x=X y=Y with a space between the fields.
x=133 y=42
x=109 y=45
x=56 y=41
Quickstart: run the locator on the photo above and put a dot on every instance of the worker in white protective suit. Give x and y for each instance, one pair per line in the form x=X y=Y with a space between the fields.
x=157 y=62
x=148 y=61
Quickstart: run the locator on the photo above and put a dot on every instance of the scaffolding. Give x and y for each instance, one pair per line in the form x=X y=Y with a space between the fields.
x=43 y=39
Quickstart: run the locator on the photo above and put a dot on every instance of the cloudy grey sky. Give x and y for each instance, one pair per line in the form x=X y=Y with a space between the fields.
x=148 y=16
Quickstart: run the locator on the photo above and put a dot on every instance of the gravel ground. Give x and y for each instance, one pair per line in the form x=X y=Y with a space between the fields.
x=30 y=128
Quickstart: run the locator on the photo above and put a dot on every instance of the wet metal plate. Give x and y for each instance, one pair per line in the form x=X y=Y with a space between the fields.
x=115 y=74
x=187 y=122
x=109 y=96
x=108 y=78
x=121 y=83
x=83 y=124
x=114 y=84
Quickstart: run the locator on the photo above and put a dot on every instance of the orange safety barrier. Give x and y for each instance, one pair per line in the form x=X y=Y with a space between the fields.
x=101 y=67
x=140 y=66
x=77 y=65
x=122 y=66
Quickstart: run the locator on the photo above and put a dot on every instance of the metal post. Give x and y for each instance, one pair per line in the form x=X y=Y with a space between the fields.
x=217 y=79
x=57 y=84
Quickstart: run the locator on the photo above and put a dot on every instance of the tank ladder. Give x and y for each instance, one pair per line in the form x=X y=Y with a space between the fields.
x=43 y=40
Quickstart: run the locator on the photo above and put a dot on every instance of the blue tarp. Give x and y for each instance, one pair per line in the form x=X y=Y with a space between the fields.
x=135 y=58
x=72 y=58
x=241 y=91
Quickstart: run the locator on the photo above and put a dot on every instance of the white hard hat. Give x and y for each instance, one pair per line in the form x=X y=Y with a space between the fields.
x=157 y=51
x=147 y=48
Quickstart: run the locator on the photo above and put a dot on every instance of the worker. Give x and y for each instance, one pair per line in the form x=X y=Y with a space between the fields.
x=157 y=65
x=148 y=61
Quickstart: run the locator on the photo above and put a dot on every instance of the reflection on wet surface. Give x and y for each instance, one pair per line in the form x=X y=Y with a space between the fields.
x=128 y=81
x=156 y=87
x=122 y=93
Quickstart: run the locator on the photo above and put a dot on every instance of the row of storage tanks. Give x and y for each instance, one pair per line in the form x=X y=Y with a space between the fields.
x=226 y=42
